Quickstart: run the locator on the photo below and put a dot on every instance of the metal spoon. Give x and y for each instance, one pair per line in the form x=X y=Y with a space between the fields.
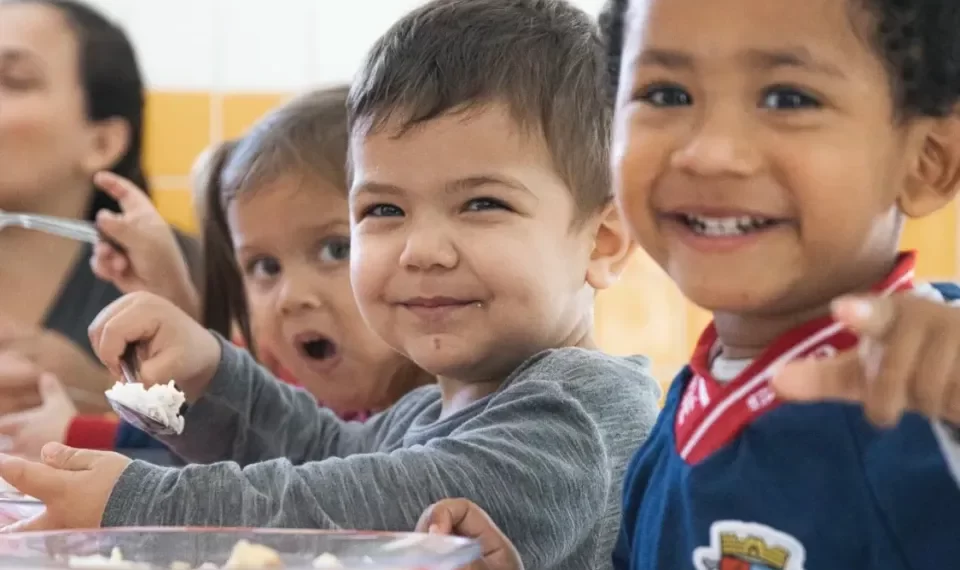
x=130 y=366
x=79 y=230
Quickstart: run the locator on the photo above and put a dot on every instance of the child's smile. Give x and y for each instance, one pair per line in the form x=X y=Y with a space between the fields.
x=720 y=231
x=438 y=310
x=739 y=153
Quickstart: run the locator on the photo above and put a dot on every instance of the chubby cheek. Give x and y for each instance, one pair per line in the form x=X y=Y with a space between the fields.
x=341 y=302
x=263 y=322
x=840 y=211
x=371 y=262
x=633 y=178
x=372 y=351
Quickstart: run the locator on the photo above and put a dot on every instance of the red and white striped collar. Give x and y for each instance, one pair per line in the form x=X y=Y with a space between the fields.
x=711 y=413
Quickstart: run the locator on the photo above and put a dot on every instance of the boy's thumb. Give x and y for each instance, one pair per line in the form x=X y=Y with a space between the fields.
x=60 y=456
x=33 y=479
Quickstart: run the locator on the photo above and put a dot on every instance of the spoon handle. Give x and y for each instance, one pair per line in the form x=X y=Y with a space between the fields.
x=130 y=364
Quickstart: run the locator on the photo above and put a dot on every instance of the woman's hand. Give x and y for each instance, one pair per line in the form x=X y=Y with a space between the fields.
x=27 y=432
x=151 y=260
x=172 y=345
x=27 y=352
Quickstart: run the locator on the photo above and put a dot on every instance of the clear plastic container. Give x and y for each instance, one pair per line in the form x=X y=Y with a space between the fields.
x=16 y=506
x=162 y=548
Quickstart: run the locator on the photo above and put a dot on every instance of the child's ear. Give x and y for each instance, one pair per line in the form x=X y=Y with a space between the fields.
x=935 y=178
x=612 y=250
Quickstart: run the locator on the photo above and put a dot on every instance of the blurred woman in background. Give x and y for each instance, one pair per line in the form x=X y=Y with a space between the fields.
x=71 y=104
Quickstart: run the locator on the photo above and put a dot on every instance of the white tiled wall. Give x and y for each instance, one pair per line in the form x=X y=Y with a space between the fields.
x=254 y=45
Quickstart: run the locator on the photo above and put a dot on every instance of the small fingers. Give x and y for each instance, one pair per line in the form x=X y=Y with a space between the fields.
x=950 y=407
x=837 y=378
x=464 y=518
x=941 y=366
x=872 y=316
x=60 y=456
x=116 y=326
x=34 y=479
x=887 y=394
x=435 y=520
x=130 y=197
x=104 y=263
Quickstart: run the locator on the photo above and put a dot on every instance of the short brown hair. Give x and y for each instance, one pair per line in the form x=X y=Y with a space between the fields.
x=543 y=58
x=306 y=136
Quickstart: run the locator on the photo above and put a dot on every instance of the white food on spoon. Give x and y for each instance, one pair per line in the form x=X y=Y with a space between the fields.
x=161 y=402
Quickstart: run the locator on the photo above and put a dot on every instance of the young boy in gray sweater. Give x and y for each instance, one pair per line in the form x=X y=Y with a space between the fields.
x=481 y=228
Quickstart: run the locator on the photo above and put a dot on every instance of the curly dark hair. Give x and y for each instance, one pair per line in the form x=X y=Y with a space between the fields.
x=919 y=41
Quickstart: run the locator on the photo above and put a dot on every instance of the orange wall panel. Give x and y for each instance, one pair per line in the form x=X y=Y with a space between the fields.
x=177 y=129
x=644 y=313
x=241 y=110
x=179 y=126
x=697 y=320
x=935 y=239
x=176 y=205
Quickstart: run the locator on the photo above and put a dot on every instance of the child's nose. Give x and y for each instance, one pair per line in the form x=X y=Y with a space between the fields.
x=298 y=294
x=719 y=146
x=429 y=247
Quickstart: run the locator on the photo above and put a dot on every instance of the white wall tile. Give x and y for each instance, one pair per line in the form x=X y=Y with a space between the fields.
x=257 y=45
x=176 y=42
x=266 y=44
x=344 y=31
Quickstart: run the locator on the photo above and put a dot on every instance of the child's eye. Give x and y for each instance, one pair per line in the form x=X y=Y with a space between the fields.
x=335 y=250
x=263 y=268
x=383 y=211
x=665 y=96
x=481 y=204
x=786 y=98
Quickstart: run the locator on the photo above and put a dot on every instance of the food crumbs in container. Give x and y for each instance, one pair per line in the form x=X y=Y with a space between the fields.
x=327 y=560
x=248 y=555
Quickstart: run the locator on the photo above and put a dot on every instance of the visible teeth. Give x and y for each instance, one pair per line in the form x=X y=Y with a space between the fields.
x=729 y=226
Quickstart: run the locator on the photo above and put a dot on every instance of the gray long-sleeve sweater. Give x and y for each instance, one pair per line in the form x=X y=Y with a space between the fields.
x=544 y=455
